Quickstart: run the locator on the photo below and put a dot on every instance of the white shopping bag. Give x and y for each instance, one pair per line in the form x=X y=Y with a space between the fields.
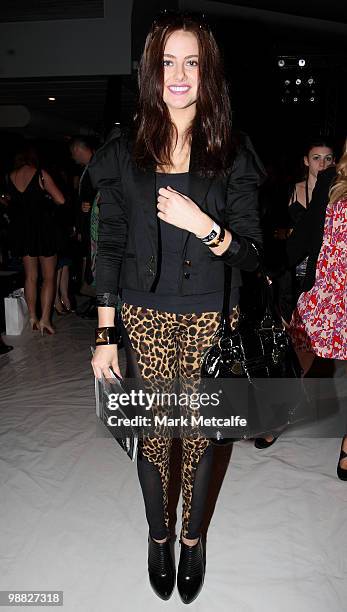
x=16 y=313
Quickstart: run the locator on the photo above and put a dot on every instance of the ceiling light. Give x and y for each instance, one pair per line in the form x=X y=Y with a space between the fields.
x=295 y=99
x=298 y=81
x=51 y=99
x=287 y=82
x=281 y=63
x=302 y=62
x=310 y=81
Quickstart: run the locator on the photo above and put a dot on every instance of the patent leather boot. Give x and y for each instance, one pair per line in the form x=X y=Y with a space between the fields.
x=191 y=571
x=161 y=568
x=342 y=472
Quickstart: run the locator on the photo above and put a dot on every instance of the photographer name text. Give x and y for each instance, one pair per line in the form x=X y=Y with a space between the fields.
x=160 y=421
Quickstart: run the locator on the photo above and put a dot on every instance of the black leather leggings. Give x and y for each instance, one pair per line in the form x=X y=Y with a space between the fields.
x=153 y=493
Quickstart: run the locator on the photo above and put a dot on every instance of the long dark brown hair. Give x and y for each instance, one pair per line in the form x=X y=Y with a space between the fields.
x=211 y=127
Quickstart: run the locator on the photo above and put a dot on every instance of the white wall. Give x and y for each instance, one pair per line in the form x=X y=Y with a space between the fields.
x=72 y=47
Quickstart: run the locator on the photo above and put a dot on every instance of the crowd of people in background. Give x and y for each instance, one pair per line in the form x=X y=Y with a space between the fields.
x=45 y=211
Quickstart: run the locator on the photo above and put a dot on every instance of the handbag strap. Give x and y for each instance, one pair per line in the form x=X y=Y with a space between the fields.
x=227 y=290
x=307 y=197
x=270 y=311
x=266 y=291
x=39 y=170
x=267 y=297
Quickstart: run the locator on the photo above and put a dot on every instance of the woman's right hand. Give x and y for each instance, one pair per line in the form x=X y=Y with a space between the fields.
x=105 y=357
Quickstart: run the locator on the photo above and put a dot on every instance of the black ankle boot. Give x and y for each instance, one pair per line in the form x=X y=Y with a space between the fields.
x=191 y=571
x=161 y=568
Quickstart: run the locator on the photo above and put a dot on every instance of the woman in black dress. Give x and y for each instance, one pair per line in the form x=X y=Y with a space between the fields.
x=178 y=200
x=319 y=156
x=33 y=232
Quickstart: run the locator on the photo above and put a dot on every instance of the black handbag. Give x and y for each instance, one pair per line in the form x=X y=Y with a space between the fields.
x=127 y=436
x=258 y=348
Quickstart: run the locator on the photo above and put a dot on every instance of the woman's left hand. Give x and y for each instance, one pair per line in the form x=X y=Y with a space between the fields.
x=181 y=211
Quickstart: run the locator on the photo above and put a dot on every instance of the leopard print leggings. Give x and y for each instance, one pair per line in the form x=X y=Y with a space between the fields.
x=168 y=347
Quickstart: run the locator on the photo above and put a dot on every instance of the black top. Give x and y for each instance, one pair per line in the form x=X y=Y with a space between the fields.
x=165 y=296
x=307 y=237
x=296 y=212
x=171 y=238
x=86 y=190
x=296 y=209
x=86 y=193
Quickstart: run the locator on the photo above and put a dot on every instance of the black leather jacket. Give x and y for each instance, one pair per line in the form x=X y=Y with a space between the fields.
x=127 y=255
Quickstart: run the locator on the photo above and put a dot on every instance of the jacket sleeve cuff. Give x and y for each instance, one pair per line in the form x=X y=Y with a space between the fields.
x=234 y=247
x=241 y=254
x=107 y=299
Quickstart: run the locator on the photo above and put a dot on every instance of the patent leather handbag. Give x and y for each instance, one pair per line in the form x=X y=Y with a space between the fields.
x=257 y=348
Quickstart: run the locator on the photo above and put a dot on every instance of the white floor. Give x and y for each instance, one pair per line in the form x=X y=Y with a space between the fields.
x=72 y=515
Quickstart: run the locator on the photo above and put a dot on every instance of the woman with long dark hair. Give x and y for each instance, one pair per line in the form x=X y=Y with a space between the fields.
x=178 y=201
x=319 y=155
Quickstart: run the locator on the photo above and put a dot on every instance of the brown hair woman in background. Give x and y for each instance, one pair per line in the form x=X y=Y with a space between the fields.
x=33 y=231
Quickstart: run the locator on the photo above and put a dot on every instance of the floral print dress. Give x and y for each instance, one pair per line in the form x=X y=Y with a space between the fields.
x=319 y=322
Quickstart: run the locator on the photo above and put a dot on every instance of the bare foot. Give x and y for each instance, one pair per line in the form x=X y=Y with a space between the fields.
x=46 y=326
x=66 y=304
x=34 y=324
x=59 y=308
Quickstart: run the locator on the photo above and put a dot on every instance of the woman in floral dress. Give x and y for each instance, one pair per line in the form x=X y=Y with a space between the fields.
x=319 y=322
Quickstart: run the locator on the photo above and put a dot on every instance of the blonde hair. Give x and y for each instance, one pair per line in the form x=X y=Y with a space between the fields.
x=339 y=188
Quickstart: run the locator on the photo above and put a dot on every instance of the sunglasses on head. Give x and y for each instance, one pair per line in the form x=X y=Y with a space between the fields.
x=168 y=16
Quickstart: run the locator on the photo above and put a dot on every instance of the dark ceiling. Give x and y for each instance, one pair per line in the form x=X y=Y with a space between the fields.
x=335 y=10
x=250 y=45
x=80 y=100
x=43 y=10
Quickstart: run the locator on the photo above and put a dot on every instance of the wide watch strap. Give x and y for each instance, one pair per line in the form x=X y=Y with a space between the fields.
x=218 y=240
x=106 y=335
x=212 y=235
